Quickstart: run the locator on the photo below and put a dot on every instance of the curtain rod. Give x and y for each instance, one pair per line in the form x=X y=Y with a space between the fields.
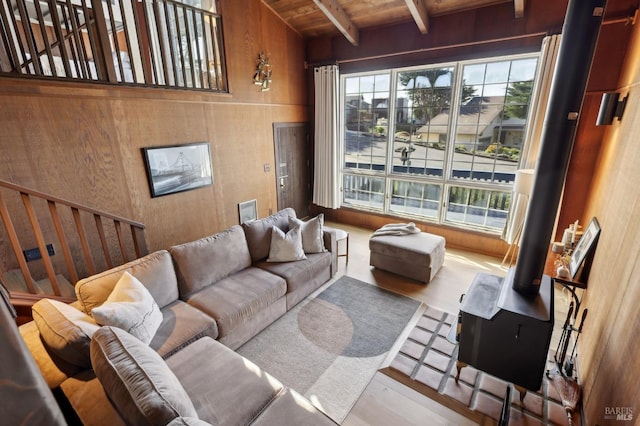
x=424 y=50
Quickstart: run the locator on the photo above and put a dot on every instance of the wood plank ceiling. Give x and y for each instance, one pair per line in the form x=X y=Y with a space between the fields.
x=314 y=18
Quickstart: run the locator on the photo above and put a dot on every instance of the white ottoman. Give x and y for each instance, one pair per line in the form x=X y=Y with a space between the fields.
x=417 y=256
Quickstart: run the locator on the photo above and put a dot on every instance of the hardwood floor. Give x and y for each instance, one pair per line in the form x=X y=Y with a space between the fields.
x=386 y=401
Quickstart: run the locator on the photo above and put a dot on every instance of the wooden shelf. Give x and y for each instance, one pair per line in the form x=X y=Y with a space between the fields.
x=550 y=269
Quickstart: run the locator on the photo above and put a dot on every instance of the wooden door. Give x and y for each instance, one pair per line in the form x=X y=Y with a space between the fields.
x=293 y=171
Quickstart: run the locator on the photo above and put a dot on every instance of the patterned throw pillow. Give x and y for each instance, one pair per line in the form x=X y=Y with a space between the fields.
x=130 y=307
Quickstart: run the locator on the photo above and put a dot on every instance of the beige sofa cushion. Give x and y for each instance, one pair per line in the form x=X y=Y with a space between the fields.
x=225 y=388
x=236 y=299
x=130 y=307
x=205 y=261
x=258 y=232
x=154 y=270
x=181 y=325
x=137 y=380
x=65 y=330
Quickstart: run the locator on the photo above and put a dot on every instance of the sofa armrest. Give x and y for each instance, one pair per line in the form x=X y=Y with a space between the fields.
x=53 y=369
x=331 y=244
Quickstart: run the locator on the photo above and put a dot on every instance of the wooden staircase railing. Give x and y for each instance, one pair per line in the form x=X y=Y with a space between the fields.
x=86 y=248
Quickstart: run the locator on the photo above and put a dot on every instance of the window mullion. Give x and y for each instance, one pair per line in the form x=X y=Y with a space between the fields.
x=391 y=125
x=453 y=123
x=450 y=146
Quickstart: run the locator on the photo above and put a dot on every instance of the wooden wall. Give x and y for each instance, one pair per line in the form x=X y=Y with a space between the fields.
x=610 y=349
x=83 y=142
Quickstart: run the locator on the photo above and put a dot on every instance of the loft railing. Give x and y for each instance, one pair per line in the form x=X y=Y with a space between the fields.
x=151 y=42
x=39 y=226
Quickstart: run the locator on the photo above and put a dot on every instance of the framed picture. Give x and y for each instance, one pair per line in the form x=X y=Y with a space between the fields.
x=248 y=211
x=178 y=168
x=585 y=246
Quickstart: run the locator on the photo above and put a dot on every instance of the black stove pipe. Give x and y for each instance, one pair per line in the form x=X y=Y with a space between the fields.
x=579 y=37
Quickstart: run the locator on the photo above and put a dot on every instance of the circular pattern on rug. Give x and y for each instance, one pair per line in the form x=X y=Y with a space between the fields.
x=326 y=325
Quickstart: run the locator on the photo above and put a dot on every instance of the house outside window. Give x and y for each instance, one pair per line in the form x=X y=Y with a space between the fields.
x=438 y=143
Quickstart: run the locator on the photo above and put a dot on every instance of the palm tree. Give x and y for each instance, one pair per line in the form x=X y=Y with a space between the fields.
x=428 y=96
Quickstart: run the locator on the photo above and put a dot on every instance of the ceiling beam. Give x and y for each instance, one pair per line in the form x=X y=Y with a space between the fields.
x=339 y=18
x=518 y=6
x=420 y=15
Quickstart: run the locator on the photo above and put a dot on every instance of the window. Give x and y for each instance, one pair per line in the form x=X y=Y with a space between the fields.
x=438 y=143
x=150 y=42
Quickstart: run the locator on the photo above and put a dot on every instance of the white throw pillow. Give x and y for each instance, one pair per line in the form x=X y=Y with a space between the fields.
x=286 y=247
x=311 y=230
x=130 y=307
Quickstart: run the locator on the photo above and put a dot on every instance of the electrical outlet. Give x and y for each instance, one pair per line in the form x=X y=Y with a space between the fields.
x=34 y=253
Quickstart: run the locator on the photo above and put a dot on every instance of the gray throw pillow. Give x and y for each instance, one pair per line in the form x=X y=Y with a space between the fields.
x=311 y=230
x=65 y=330
x=137 y=380
x=286 y=247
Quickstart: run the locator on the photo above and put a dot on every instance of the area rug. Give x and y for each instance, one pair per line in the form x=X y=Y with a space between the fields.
x=426 y=362
x=330 y=346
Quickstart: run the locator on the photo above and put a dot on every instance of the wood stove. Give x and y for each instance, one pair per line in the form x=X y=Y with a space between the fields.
x=505 y=333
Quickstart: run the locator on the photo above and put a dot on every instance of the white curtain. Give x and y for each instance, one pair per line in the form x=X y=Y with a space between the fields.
x=539 y=101
x=326 y=155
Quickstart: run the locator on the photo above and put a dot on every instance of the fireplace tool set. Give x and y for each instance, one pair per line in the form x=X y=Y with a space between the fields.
x=562 y=379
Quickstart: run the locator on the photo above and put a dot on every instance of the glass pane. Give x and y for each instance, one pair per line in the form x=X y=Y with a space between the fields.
x=352 y=85
x=497 y=72
x=382 y=82
x=363 y=191
x=473 y=74
x=523 y=70
x=366 y=83
x=480 y=207
x=415 y=198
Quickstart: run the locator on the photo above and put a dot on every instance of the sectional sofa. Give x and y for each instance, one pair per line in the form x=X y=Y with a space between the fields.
x=200 y=301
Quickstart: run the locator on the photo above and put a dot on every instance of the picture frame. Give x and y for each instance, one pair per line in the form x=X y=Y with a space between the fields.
x=585 y=247
x=248 y=211
x=178 y=168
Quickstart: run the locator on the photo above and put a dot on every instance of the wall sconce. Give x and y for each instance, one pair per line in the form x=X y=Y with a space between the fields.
x=262 y=77
x=610 y=107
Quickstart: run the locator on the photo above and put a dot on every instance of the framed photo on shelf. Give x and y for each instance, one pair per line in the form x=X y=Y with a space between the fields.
x=178 y=168
x=248 y=211
x=585 y=247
